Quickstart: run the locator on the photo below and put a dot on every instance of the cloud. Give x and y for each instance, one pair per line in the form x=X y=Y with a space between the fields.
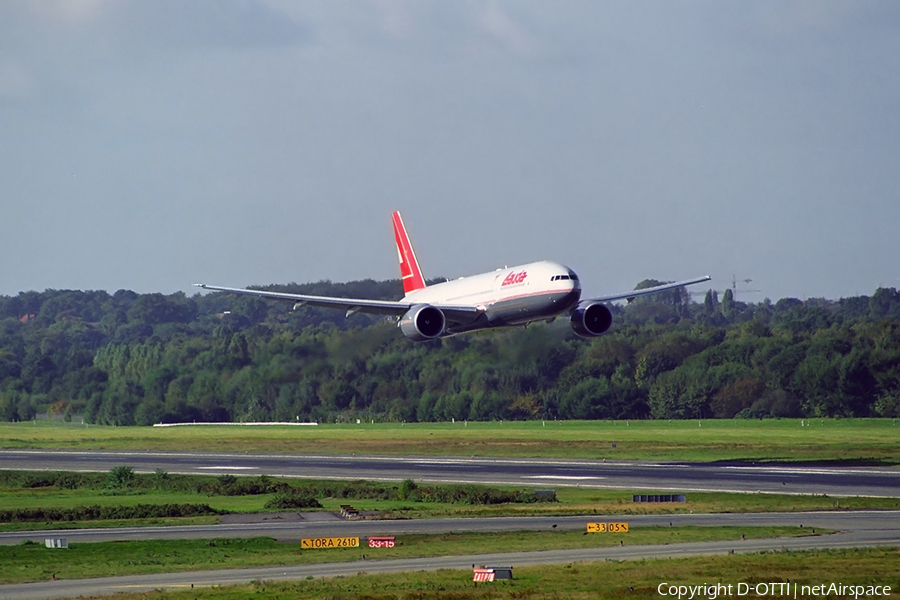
x=436 y=30
x=244 y=23
x=164 y=23
x=502 y=28
x=801 y=16
x=397 y=16
x=15 y=80
x=70 y=12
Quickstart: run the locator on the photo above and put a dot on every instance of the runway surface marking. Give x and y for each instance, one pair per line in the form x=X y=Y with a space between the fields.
x=781 y=479
x=572 y=477
x=217 y=467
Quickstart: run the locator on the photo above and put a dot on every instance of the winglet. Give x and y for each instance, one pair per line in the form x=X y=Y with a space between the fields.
x=409 y=265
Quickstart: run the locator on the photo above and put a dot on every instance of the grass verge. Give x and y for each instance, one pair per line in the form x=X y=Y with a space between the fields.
x=581 y=581
x=33 y=562
x=152 y=522
x=844 y=441
x=17 y=492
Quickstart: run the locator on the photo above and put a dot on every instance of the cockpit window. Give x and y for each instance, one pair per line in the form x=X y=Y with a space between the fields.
x=558 y=277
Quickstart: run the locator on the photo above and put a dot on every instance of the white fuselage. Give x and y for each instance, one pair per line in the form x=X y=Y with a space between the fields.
x=509 y=296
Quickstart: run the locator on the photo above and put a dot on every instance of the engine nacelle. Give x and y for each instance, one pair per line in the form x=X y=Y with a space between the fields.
x=590 y=319
x=422 y=322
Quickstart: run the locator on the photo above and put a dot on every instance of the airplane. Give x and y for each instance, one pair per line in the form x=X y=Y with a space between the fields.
x=508 y=297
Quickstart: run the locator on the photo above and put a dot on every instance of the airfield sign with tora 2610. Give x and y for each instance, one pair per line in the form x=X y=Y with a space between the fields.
x=334 y=542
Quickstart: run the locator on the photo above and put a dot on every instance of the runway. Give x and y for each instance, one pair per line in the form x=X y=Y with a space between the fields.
x=855 y=530
x=637 y=476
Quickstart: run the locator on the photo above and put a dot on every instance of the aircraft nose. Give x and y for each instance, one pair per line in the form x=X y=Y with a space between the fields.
x=575 y=292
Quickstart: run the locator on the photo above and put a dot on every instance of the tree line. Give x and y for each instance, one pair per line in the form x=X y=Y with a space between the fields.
x=139 y=359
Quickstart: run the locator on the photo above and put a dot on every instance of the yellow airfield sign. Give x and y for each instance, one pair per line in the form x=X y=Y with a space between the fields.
x=334 y=542
x=607 y=527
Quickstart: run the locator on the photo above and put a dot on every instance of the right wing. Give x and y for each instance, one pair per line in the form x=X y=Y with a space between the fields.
x=653 y=290
x=453 y=313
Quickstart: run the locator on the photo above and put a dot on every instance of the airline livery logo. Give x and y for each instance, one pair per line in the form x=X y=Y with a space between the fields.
x=514 y=278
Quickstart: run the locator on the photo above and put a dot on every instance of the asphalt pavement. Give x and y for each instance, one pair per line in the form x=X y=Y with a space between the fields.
x=636 y=475
x=855 y=529
x=306 y=528
x=865 y=529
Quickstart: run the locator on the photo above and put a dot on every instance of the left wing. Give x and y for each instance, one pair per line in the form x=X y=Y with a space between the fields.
x=453 y=313
x=653 y=290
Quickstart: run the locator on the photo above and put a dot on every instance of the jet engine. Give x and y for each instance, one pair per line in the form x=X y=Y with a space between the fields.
x=590 y=319
x=422 y=322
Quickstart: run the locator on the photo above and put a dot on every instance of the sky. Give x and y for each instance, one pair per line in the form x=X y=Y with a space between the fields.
x=153 y=145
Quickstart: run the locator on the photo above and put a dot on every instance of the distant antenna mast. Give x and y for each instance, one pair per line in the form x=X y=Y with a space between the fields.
x=734 y=289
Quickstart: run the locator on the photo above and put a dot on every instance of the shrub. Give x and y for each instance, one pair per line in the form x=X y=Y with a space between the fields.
x=95 y=512
x=406 y=490
x=120 y=477
x=292 y=500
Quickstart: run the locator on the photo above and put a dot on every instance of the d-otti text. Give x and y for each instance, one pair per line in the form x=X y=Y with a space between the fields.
x=773 y=589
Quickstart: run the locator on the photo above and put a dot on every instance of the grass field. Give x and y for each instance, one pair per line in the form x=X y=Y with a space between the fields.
x=849 y=441
x=571 y=501
x=579 y=501
x=581 y=581
x=33 y=562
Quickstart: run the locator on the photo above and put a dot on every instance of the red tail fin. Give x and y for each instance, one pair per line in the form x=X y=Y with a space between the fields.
x=409 y=266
